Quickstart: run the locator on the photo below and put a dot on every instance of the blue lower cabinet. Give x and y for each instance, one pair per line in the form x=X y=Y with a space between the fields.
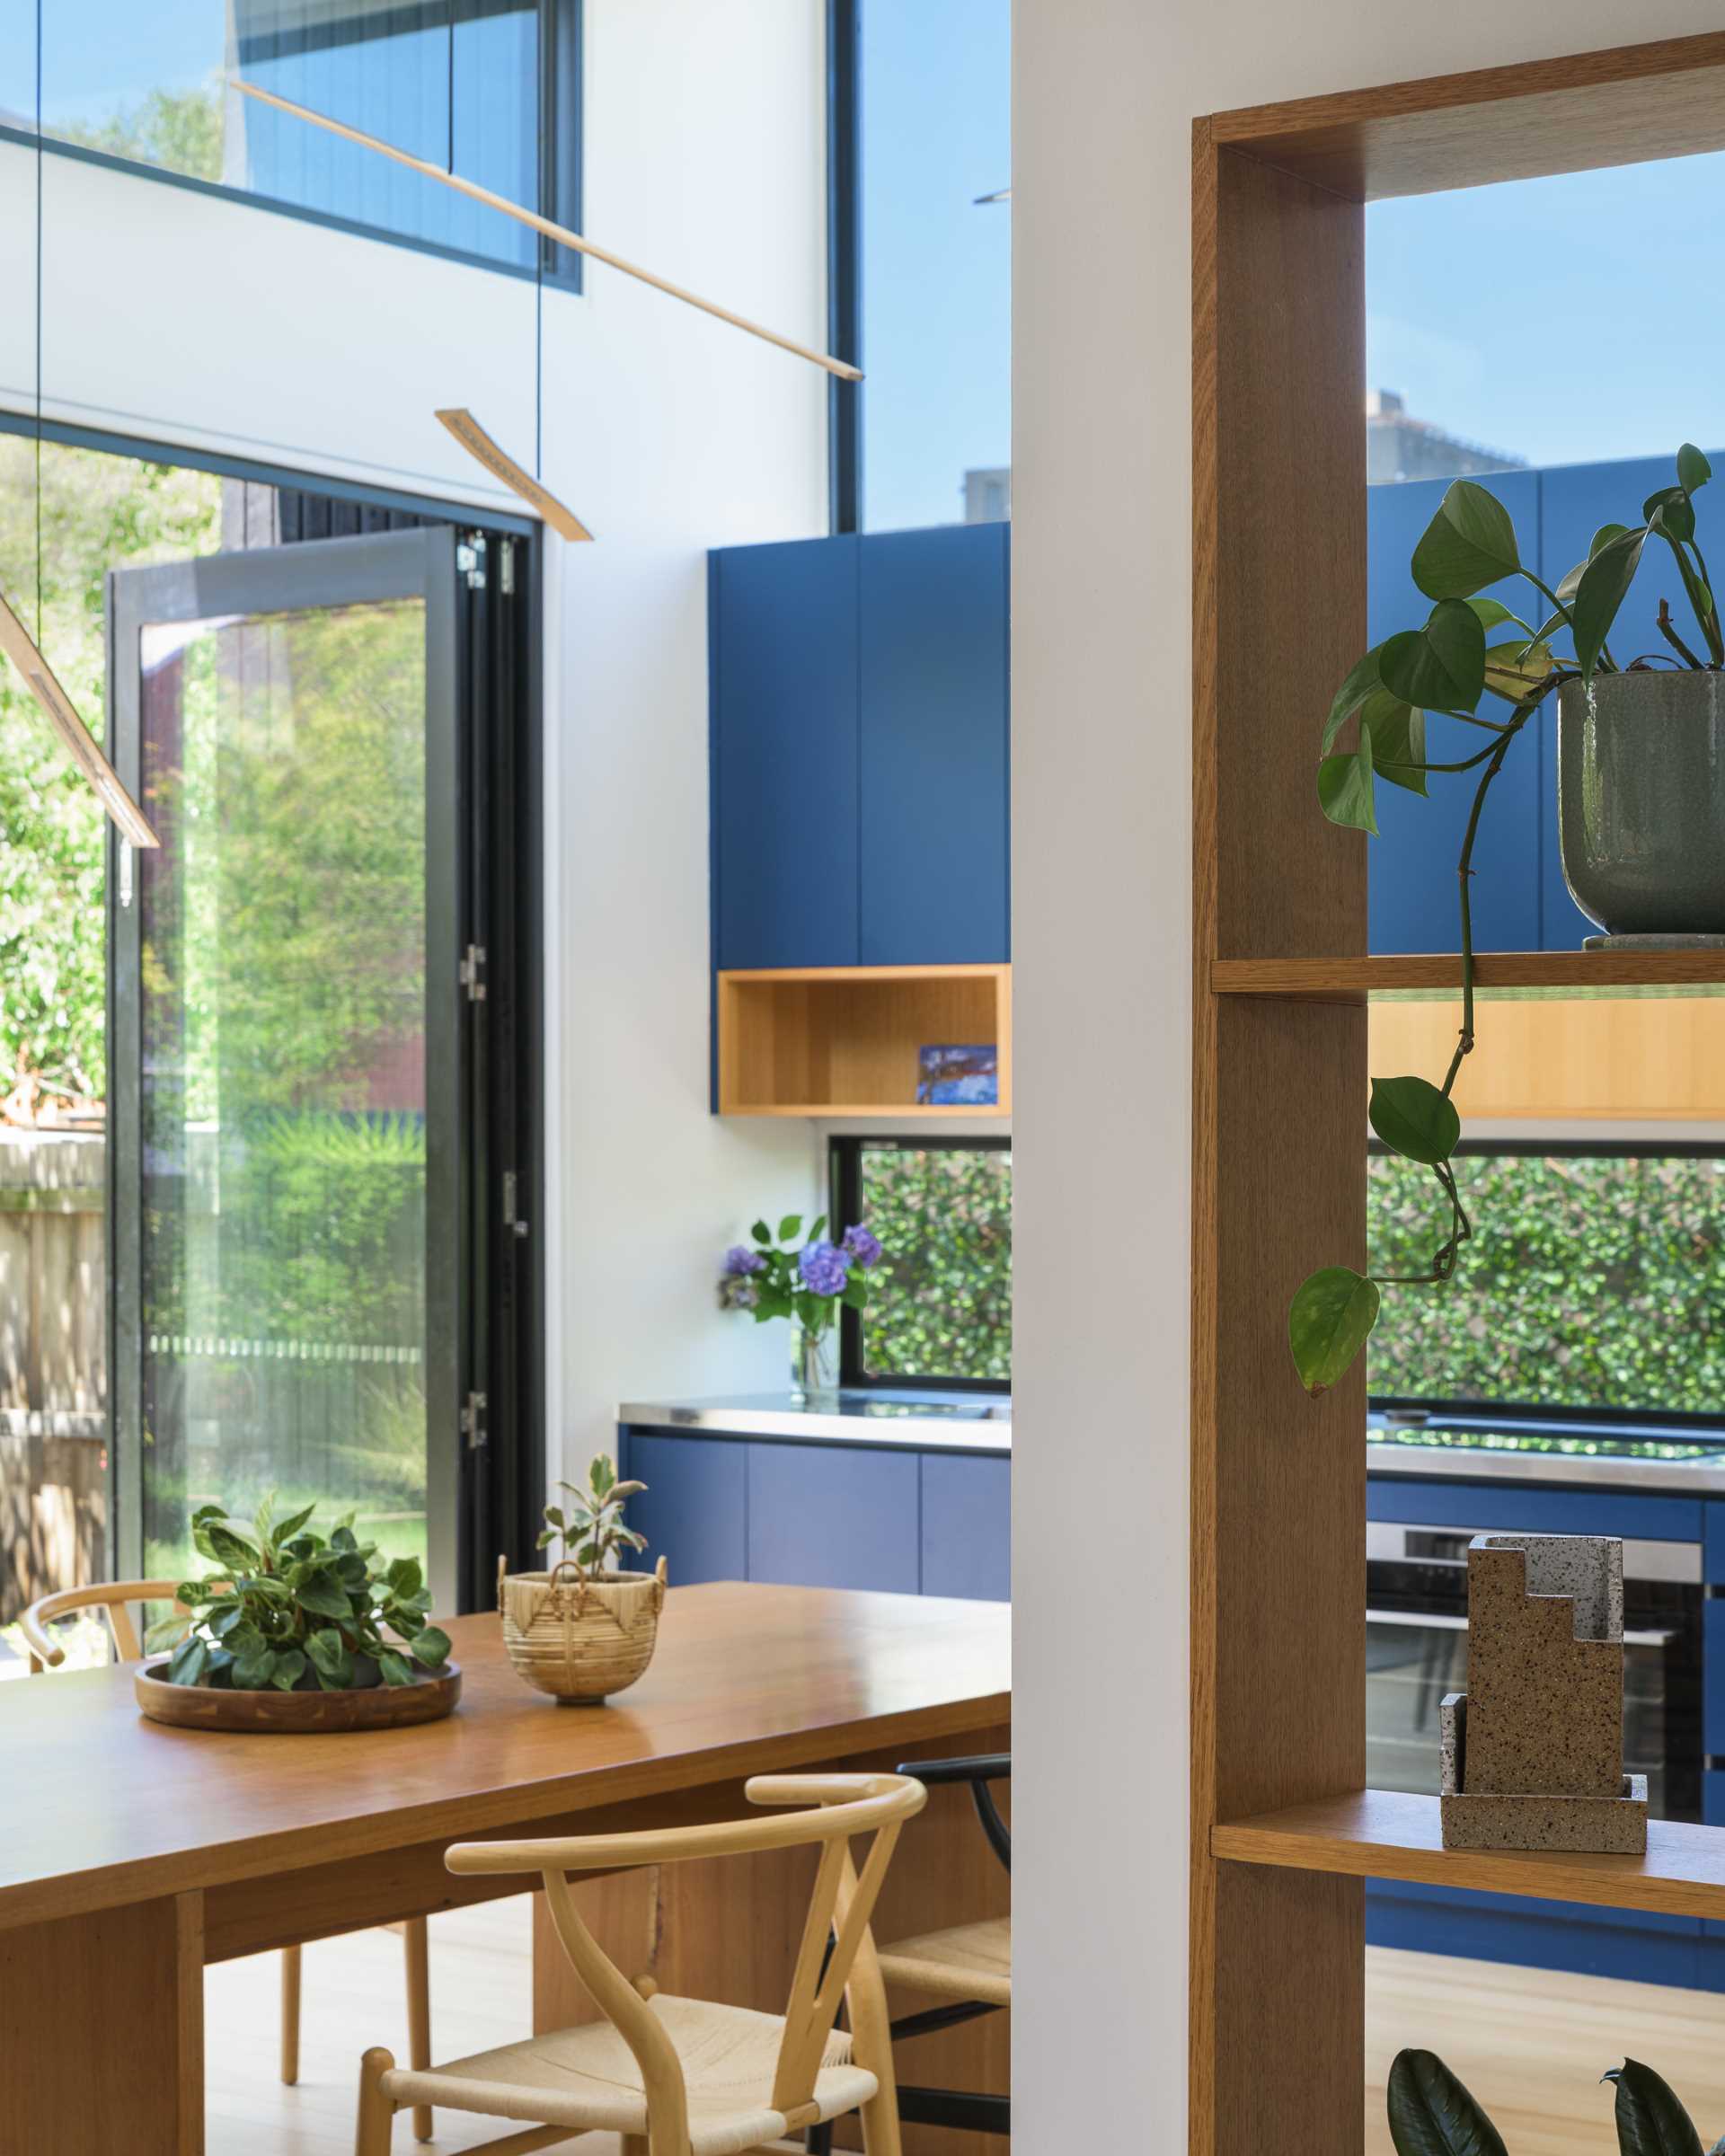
x=1532 y=1508
x=694 y=1509
x=968 y=1526
x=834 y=1515
x=1637 y=1945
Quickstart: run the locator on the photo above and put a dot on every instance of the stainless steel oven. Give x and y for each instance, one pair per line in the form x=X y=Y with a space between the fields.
x=1416 y=1650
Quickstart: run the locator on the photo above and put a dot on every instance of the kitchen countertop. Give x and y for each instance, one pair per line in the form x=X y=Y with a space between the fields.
x=1498 y=1450
x=966 y=1422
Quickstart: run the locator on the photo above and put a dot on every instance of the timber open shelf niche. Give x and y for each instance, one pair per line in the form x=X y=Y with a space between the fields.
x=843 y=1040
x=1283 y=1830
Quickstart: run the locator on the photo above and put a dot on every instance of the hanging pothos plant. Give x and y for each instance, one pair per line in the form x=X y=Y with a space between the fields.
x=1445 y=669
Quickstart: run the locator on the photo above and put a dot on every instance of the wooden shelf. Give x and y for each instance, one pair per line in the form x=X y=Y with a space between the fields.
x=1384 y=1835
x=1438 y=974
x=845 y=1040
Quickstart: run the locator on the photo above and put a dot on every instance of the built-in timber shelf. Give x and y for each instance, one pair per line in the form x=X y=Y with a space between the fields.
x=1438 y=974
x=1385 y=1834
x=846 y=1040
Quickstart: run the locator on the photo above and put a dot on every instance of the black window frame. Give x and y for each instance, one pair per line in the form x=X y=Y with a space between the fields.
x=501 y=1481
x=561 y=140
x=1441 y=1408
x=845 y=1209
x=845 y=260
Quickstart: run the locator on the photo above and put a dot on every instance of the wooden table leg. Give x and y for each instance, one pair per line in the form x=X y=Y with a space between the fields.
x=102 y=2032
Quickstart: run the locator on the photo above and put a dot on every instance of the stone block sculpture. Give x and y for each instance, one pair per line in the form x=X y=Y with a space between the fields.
x=1533 y=1751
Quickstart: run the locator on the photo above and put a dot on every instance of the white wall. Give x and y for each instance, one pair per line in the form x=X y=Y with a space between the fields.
x=1105 y=93
x=193 y=319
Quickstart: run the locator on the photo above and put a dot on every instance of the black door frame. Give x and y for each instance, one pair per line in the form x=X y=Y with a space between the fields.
x=485 y=1483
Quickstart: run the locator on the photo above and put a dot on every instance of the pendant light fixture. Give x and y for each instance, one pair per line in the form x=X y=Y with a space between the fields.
x=20 y=647
x=478 y=443
x=560 y=233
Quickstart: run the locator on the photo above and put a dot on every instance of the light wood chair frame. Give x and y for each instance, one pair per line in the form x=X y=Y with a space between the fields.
x=840 y=1904
x=115 y=1600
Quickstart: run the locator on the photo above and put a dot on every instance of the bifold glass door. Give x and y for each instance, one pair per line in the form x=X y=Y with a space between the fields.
x=286 y=1052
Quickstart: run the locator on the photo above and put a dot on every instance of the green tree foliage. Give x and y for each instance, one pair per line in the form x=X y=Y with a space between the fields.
x=97 y=513
x=178 y=129
x=1591 y=1282
x=941 y=1301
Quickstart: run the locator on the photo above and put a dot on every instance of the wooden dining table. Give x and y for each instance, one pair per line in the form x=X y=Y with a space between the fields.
x=132 y=1855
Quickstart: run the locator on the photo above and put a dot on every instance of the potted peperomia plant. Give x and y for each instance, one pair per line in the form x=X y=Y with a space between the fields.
x=293 y=1631
x=1641 y=790
x=582 y=1637
x=1433 y=2113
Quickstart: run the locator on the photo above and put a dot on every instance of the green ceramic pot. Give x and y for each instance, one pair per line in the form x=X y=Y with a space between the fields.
x=1641 y=794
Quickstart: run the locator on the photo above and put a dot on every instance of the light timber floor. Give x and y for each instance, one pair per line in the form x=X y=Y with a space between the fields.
x=1532 y=2044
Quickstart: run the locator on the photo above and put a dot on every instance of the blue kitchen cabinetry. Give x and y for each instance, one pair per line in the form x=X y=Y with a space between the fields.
x=782 y=630
x=1520 y=900
x=1642 y=1946
x=839 y=1515
x=858 y=711
x=966 y=1528
x=933 y=746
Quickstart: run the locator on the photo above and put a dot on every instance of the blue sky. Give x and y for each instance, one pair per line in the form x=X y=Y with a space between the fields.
x=1563 y=319
x=936 y=269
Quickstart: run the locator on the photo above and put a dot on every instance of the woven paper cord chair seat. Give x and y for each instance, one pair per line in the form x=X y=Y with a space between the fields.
x=587 y=2077
x=970 y=1961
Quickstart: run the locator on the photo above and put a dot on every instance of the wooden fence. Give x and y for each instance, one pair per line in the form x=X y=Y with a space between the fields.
x=53 y=1364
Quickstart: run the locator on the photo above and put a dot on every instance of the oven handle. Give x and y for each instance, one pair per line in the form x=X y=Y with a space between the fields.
x=1435 y=1620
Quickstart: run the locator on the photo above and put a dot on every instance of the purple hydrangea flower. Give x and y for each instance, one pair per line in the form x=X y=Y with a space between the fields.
x=863 y=1246
x=740 y=1258
x=824 y=1268
x=737 y=1294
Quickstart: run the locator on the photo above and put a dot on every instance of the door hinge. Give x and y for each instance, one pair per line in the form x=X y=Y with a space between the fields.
x=472 y=1422
x=505 y=568
x=469 y=559
x=471 y=973
x=124 y=871
x=511 y=1200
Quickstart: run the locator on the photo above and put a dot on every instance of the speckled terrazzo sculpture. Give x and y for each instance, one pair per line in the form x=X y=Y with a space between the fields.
x=1533 y=1751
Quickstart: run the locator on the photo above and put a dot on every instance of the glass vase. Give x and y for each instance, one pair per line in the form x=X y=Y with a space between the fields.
x=814 y=1366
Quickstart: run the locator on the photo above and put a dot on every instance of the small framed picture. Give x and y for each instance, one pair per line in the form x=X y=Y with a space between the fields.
x=958 y=1077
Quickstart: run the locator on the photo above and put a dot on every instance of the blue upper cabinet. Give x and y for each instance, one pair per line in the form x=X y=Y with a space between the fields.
x=934 y=742
x=1411 y=889
x=860 y=735
x=783 y=638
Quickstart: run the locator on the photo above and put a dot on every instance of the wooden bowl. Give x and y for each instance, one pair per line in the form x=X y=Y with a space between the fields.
x=378 y=1707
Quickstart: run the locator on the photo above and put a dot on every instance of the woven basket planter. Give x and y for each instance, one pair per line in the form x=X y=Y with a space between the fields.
x=579 y=1636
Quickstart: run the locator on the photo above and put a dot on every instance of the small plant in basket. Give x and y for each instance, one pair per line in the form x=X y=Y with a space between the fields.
x=590 y=1531
x=584 y=1636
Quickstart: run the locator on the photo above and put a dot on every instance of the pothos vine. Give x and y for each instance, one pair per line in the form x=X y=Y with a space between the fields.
x=1444 y=670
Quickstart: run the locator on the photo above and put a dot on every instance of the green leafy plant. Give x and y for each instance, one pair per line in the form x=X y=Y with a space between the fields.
x=1443 y=671
x=1433 y=2114
x=291 y=1610
x=776 y=1277
x=590 y=1530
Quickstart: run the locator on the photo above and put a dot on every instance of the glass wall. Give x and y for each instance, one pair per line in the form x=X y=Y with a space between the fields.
x=1531 y=322
x=936 y=263
x=452 y=81
x=284 y=1128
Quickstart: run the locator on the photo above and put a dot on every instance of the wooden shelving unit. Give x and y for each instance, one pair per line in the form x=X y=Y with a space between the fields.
x=845 y=1040
x=1284 y=1831
x=1385 y=1834
x=1438 y=974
